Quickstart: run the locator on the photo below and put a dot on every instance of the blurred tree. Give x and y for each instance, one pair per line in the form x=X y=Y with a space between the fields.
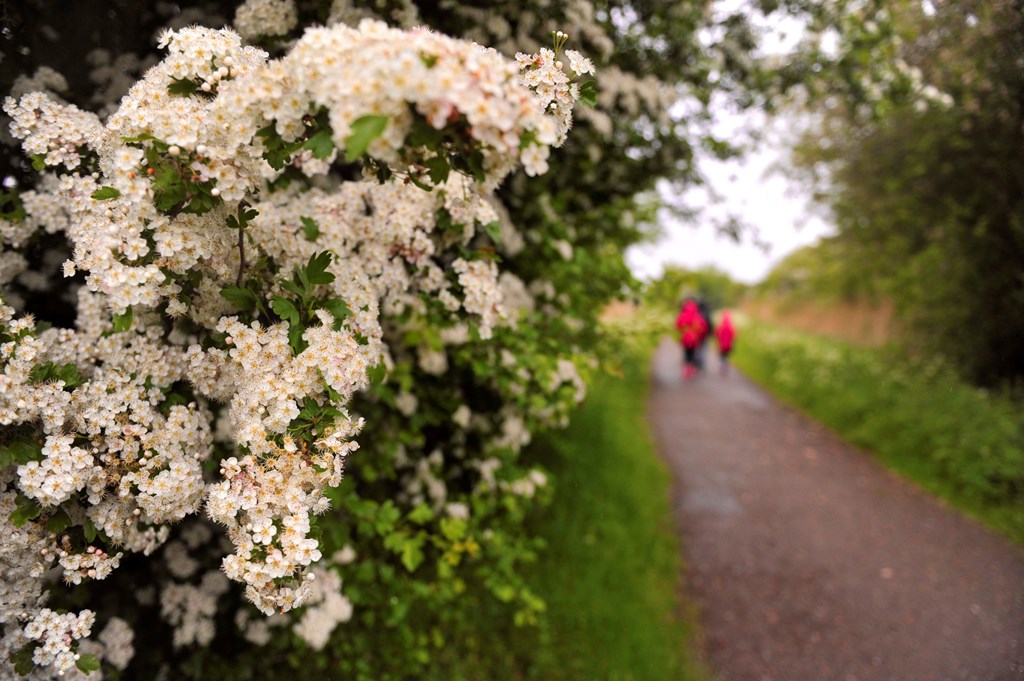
x=710 y=283
x=820 y=272
x=918 y=110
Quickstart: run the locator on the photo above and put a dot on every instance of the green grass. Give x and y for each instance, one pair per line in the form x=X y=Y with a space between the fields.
x=610 y=574
x=955 y=440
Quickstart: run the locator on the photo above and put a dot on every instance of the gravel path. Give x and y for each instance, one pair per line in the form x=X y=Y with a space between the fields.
x=811 y=562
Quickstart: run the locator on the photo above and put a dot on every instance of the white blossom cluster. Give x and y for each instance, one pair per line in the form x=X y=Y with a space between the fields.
x=391 y=241
x=555 y=93
x=55 y=633
x=191 y=608
x=52 y=131
x=121 y=411
x=258 y=18
x=620 y=90
x=326 y=608
x=117 y=641
x=379 y=70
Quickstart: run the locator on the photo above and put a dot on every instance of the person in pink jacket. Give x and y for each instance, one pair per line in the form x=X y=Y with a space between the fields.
x=692 y=329
x=726 y=335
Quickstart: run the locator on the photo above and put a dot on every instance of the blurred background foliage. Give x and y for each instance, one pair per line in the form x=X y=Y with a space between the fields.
x=711 y=284
x=915 y=142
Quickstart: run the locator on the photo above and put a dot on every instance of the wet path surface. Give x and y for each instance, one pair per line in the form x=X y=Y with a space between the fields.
x=811 y=562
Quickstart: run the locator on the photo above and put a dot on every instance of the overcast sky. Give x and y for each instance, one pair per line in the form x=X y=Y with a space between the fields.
x=777 y=208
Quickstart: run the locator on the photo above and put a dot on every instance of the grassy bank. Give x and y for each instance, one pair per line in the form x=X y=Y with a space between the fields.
x=957 y=441
x=610 y=571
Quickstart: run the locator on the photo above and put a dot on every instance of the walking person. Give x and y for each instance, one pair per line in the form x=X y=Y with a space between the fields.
x=692 y=330
x=726 y=336
x=704 y=308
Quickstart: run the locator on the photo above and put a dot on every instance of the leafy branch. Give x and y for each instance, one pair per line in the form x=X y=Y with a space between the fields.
x=299 y=309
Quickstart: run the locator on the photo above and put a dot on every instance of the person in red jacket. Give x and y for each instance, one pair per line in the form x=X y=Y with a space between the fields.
x=692 y=329
x=726 y=335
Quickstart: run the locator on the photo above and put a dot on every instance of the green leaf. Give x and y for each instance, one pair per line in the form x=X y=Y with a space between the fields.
x=412 y=554
x=320 y=144
x=310 y=228
x=504 y=592
x=423 y=134
x=11 y=208
x=339 y=309
x=168 y=189
x=277 y=152
x=295 y=339
x=27 y=509
x=123 y=321
x=493 y=230
x=285 y=309
x=292 y=287
x=408 y=547
x=38 y=161
x=421 y=515
x=378 y=373
x=87 y=663
x=365 y=129
x=186 y=87
x=243 y=299
x=200 y=197
x=69 y=374
x=89 y=530
x=412 y=337
x=528 y=138
x=386 y=517
x=22 y=659
x=59 y=521
x=316 y=269
x=588 y=93
x=20 y=452
x=105 y=193
x=40 y=372
x=173 y=399
x=439 y=169
x=422 y=185
x=182 y=86
x=471 y=164
x=453 y=528
x=48 y=371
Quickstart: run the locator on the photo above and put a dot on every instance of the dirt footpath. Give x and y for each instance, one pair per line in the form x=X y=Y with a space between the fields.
x=810 y=562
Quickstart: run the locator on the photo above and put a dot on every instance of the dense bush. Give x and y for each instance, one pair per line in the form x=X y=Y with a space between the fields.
x=918 y=112
x=267 y=254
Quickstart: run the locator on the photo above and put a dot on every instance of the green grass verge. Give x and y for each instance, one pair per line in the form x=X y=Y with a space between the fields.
x=959 y=442
x=610 y=570
x=610 y=574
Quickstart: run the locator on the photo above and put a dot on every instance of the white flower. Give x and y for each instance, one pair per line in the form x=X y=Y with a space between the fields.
x=579 y=64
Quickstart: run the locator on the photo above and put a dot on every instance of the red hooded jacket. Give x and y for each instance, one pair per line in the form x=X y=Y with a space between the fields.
x=691 y=325
x=726 y=333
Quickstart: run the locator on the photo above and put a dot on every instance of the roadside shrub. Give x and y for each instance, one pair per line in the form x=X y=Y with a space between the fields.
x=323 y=261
